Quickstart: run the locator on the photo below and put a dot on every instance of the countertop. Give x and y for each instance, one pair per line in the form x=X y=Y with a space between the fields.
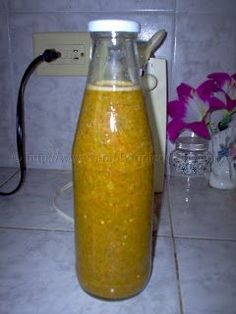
x=194 y=268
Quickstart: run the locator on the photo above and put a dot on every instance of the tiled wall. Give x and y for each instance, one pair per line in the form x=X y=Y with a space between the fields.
x=201 y=39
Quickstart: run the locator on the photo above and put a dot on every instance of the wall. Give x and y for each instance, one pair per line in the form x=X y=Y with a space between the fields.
x=201 y=39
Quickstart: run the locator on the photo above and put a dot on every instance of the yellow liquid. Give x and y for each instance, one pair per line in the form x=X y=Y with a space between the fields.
x=113 y=191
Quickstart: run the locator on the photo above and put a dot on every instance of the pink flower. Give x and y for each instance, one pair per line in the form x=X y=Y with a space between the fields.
x=191 y=109
x=227 y=88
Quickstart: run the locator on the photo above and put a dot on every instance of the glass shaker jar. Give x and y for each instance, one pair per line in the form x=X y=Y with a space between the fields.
x=190 y=158
x=113 y=168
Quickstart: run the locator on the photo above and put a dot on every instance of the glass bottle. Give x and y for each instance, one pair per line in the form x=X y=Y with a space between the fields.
x=113 y=168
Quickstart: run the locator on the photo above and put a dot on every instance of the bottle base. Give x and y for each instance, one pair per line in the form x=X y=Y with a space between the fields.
x=113 y=294
x=108 y=299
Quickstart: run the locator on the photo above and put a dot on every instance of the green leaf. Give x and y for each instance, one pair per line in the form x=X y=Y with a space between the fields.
x=225 y=122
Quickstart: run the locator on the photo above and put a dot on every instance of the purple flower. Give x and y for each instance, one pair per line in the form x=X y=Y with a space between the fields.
x=226 y=88
x=191 y=109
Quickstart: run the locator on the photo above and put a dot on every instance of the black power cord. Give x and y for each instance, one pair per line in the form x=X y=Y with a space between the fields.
x=49 y=55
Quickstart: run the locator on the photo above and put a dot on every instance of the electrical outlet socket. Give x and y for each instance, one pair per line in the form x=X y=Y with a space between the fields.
x=74 y=49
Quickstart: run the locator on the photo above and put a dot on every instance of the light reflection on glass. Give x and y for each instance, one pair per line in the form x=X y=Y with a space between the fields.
x=112 y=122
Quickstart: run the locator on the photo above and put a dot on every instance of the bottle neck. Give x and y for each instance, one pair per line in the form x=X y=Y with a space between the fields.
x=114 y=59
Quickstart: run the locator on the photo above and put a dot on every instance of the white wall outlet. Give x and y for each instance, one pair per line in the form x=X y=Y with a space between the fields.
x=74 y=49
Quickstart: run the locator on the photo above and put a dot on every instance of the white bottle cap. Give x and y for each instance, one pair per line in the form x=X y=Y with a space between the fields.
x=114 y=26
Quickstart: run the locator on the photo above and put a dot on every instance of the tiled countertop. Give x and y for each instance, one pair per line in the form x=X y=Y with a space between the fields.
x=194 y=265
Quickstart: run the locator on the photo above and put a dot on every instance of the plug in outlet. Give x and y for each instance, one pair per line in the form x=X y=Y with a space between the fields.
x=74 y=49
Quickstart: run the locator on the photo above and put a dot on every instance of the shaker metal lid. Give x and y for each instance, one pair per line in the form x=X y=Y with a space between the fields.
x=192 y=143
x=114 y=26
